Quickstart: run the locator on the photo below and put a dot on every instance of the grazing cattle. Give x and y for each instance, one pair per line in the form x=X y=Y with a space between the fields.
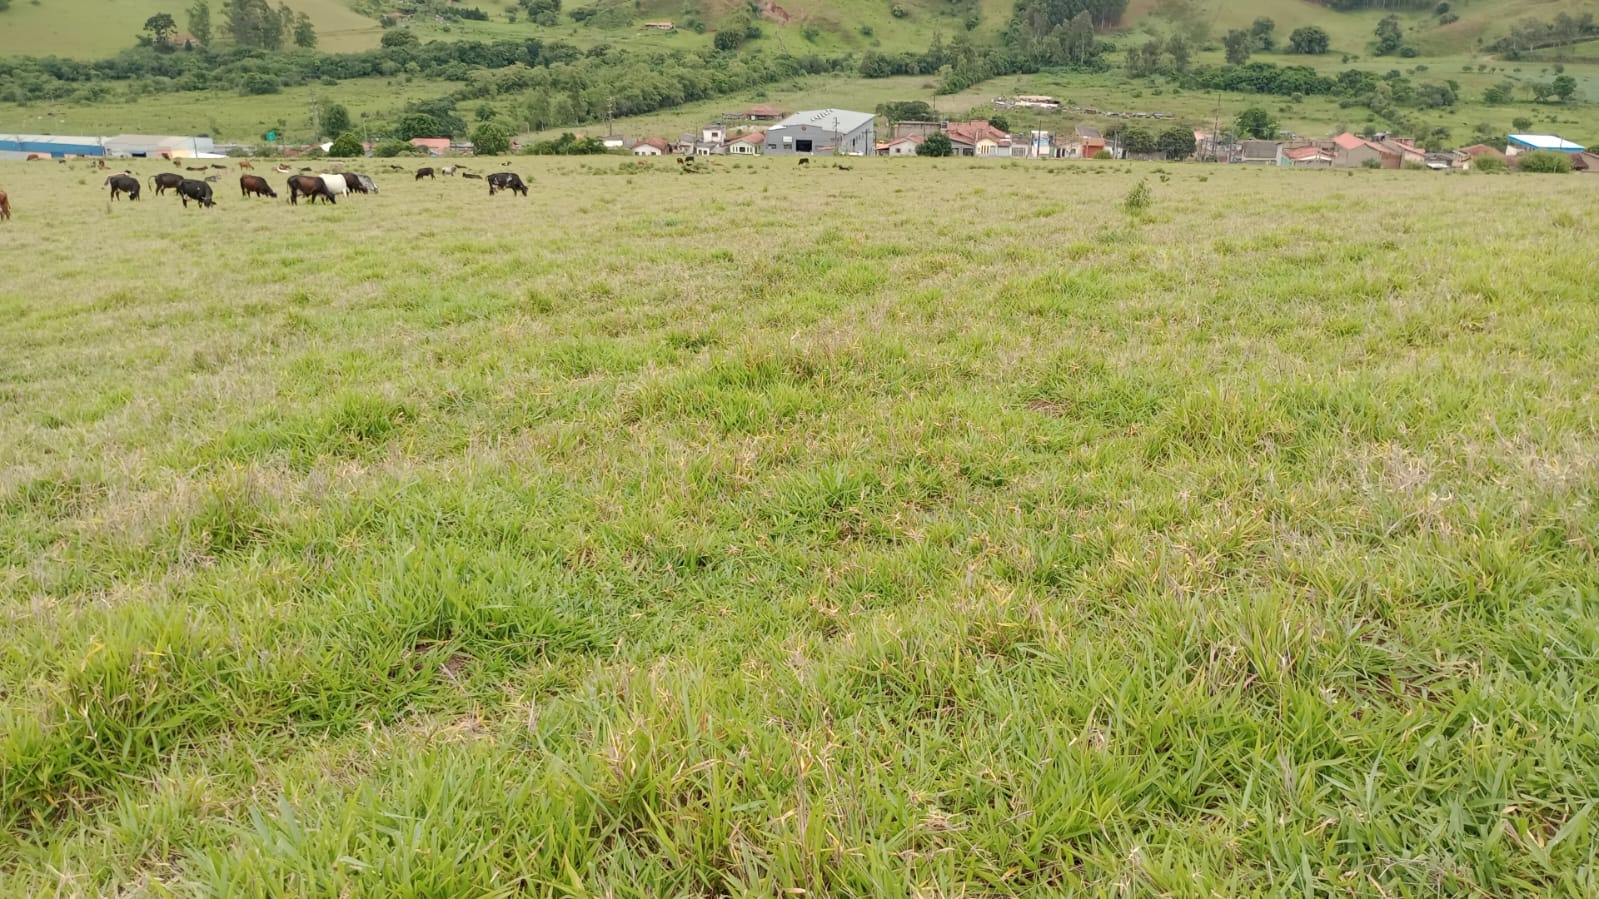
x=198 y=191
x=166 y=181
x=804 y=162
x=194 y=168
x=337 y=186
x=33 y=156
x=471 y=175
x=255 y=184
x=450 y=169
x=368 y=186
x=5 y=206
x=308 y=186
x=212 y=179
x=122 y=184
x=222 y=167
x=510 y=181
x=245 y=165
x=352 y=183
x=424 y=172
x=282 y=169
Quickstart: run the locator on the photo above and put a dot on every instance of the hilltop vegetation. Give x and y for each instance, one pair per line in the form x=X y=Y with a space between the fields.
x=977 y=531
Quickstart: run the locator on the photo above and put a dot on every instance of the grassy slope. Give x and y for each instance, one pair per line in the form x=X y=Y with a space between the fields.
x=98 y=28
x=923 y=529
x=222 y=114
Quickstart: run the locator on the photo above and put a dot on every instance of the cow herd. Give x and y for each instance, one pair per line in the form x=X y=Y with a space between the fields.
x=326 y=187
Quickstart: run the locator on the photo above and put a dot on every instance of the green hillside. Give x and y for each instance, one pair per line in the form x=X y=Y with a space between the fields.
x=96 y=28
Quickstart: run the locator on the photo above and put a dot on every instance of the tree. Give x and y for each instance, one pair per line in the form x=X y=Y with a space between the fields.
x=727 y=40
x=253 y=24
x=1256 y=122
x=1541 y=91
x=1000 y=122
x=334 y=119
x=1180 y=51
x=1500 y=93
x=200 y=22
x=1545 y=162
x=491 y=139
x=1176 y=143
x=397 y=38
x=1390 y=37
x=1564 y=87
x=161 y=26
x=1237 y=44
x=1263 y=35
x=935 y=144
x=1521 y=123
x=1311 y=40
x=543 y=12
x=907 y=111
x=417 y=124
x=347 y=146
x=304 y=32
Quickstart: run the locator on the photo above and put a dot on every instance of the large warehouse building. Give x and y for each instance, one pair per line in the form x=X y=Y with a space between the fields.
x=60 y=146
x=823 y=132
x=56 y=146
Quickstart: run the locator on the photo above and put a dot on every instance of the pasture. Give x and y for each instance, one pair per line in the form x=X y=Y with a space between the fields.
x=925 y=528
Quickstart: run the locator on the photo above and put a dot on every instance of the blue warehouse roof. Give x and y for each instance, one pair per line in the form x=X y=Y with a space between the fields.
x=51 y=144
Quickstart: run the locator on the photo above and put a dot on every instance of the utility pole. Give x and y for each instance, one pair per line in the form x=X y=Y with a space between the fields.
x=1215 y=132
x=610 y=111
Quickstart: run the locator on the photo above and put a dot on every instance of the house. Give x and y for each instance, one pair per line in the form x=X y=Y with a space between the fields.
x=652 y=146
x=660 y=26
x=917 y=128
x=1082 y=143
x=614 y=142
x=838 y=132
x=1476 y=152
x=901 y=146
x=978 y=138
x=747 y=144
x=685 y=144
x=1518 y=144
x=1585 y=162
x=1259 y=152
x=1351 y=151
x=183 y=41
x=713 y=133
x=1040 y=145
x=1306 y=157
x=436 y=146
x=759 y=113
x=1405 y=148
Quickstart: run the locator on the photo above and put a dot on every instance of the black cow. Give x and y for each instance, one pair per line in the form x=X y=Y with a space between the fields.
x=310 y=187
x=358 y=184
x=472 y=175
x=255 y=184
x=424 y=172
x=198 y=191
x=165 y=181
x=510 y=181
x=123 y=184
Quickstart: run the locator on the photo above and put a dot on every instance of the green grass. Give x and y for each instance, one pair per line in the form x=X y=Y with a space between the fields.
x=225 y=115
x=93 y=29
x=923 y=529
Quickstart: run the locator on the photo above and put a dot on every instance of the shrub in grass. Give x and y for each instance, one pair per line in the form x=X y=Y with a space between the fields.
x=1546 y=162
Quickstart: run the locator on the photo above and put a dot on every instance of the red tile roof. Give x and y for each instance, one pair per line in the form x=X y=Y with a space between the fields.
x=754 y=137
x=657 y=143
x=1303 y=153
x=769 y=111
x=1349 y=141
x=972 y=132
x=432 y=143
x=1477 y=151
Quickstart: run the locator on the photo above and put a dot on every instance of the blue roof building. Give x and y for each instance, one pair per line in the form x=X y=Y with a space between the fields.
x=21 y=146
x=1526 y=143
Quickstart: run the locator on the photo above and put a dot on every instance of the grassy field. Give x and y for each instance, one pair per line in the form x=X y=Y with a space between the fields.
x=93 y=29
x=224 y=115
x=920 y=529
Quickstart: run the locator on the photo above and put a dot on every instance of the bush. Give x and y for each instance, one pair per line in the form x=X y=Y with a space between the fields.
x=391 y=148
x=1138 y=199
x=898 y=12
x=936 y=144
x=347 y=146
x=727 y=40
x=1545 y=162
x=1490 y=165
x=1371 y=164
x=491 y=139
x=1521 y=123
x=258 y=83
x=399 y=37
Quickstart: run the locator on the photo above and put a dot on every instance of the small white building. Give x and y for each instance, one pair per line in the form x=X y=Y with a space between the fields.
x=651 y=146
x=747 y=144
x=713 y=133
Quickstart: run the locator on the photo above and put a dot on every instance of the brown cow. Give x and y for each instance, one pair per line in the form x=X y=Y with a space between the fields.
x=309 y=186
x=255 y=184
x=5 y=206
x=245 y=165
